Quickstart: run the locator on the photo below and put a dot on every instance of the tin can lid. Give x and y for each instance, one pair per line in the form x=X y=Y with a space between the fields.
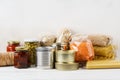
x=44 y=48
x=21 y=48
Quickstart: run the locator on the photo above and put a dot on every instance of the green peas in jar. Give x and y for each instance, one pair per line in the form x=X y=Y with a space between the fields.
x=31 y=46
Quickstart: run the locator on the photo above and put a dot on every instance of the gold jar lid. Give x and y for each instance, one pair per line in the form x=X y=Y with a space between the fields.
x=20 y=48
x=65 y=56
x=66 y=66
x=13 y=42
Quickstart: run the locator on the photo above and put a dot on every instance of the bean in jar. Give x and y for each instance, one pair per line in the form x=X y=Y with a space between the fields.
x=12 y=45
x=31 y=47
x=21 y=58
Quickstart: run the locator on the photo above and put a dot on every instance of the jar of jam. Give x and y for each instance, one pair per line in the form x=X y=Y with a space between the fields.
x=12 y=45
x=21 y=58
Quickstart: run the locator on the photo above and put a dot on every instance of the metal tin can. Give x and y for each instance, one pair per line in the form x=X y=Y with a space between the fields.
x=65 y=56
x=67 y=66
x=43 y=57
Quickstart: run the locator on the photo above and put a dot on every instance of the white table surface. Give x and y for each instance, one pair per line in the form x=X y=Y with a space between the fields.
x=11 y=73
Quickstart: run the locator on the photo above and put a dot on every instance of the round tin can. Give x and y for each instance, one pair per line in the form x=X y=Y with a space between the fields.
x=65 y=56
x=43 y=57
x=66 y=66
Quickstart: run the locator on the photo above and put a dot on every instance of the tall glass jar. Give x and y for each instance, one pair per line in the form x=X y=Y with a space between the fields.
x=12 y=45
x=31 y=46
x=21 y=58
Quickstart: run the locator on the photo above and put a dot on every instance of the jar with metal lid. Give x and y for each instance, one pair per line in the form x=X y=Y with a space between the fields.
x=64 y=46
x=21 y=58
x=43 y=57
x=31 y=46
x=12 y=45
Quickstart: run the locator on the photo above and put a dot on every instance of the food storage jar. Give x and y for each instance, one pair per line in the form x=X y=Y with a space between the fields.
x=21 y=58
x=31 y=46
x=43 y=57
x=12 y=45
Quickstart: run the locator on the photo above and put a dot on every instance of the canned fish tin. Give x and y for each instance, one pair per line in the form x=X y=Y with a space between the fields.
x=67 y=66
x=43 y=57
x=31 y=46
x=65 y=56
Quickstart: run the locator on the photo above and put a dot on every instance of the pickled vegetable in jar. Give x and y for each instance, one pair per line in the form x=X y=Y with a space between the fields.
x=31 y=46
x=21 y=58
x=12 y=45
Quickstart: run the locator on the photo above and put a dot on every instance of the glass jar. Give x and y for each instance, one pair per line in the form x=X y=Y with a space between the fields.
x=31 y=46
x=21 y=58
x=12 y=45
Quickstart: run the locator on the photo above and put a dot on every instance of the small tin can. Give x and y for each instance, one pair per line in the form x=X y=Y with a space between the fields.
x=65 y=56
x=67 y=66
x=43 y=57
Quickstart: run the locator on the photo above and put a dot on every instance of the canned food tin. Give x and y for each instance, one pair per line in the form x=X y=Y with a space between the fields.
x=65 y=56
x=43 y=57
x=67 y=66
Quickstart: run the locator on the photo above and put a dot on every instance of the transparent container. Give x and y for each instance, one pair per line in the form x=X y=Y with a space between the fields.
x=21 y=58
x=31 y=46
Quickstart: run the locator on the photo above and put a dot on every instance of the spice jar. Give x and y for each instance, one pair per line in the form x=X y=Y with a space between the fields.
x=12 y=45
x=64 y=46
x=31 y=46
x=43 y=57
x=21 y=58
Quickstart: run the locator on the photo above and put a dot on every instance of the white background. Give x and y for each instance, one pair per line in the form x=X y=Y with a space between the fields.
x=21 y=19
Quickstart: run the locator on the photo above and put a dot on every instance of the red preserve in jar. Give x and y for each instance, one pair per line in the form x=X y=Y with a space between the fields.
x=21 y=58
x=12 y=45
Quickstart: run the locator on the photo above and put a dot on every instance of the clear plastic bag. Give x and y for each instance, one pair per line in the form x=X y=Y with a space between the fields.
x=47 y=40
x=65 y=36
x=83 y=47
x=100 y=39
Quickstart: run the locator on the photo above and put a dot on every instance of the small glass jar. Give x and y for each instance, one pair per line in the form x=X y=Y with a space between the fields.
x=21 y=58
x=64 y=46
x=12 y=45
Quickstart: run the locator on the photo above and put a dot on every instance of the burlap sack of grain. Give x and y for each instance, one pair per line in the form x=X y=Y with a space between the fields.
x=100 y=40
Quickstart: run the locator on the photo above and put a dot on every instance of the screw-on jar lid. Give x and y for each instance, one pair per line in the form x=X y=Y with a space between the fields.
x=31 y=40
x=21 y=48
x=13 y=42
x=44 y=48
